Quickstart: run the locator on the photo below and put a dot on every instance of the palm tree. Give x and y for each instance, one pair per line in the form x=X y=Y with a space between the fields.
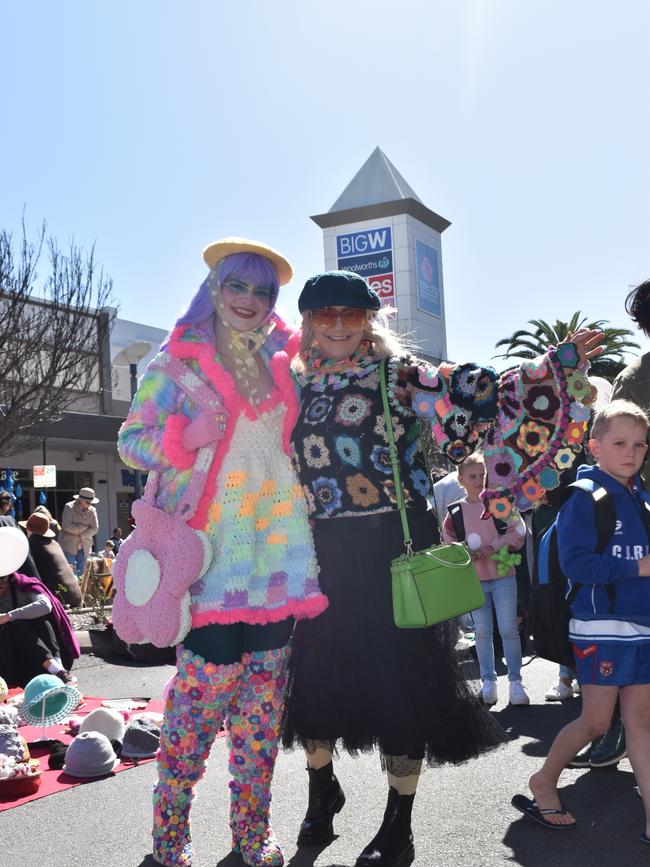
x=531 y=343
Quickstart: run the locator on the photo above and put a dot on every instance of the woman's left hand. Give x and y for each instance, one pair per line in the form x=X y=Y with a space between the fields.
x=587 y=342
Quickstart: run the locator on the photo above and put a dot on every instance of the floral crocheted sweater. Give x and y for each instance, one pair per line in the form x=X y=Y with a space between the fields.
x=252 y=508
x=530 y=422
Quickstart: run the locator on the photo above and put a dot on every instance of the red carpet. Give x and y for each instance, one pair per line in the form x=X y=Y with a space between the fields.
x=56 y=781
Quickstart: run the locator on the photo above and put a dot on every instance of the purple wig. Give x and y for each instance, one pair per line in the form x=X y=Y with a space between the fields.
x=251 y=267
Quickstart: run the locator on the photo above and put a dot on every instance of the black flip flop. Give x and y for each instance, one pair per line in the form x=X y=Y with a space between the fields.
x=529 y=808
x=644 y=838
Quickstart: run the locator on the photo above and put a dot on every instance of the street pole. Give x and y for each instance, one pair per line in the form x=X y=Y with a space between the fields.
x=137 y=475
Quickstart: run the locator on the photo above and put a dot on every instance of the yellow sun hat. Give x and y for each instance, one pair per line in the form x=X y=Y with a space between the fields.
x=218 y=250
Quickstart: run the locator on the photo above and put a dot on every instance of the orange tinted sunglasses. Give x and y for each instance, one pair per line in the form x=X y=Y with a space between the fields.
x=351 y=317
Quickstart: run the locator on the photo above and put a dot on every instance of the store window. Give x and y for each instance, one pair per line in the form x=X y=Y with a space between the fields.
x=68 y=483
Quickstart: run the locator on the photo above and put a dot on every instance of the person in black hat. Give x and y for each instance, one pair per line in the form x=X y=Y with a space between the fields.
x=354 y=676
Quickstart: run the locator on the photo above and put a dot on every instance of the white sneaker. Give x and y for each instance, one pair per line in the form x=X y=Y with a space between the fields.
x=518 y=694
x=560 y=692
x=576 y=687
x=489 y=694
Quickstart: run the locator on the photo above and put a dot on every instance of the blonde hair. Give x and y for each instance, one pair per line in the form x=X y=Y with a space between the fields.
x=385 y=342
x=617 y=409
x=472 y=459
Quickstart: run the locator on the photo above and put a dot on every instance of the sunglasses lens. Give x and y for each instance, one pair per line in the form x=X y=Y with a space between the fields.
x=326 y=317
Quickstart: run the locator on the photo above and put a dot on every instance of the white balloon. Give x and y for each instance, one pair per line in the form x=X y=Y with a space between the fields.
x=473 y=541
x=14 y=549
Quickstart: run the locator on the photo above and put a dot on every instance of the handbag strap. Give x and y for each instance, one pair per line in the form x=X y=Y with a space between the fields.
x=399 y=494
x=201 y=393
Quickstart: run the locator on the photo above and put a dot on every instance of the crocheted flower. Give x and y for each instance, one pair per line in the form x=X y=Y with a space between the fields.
x=549 y=478
x=531 y=490
x=427 y=376
x=567 y=355
x=420 y=482
x=575 y=432
x=533 y=438
x=353 y=409
x=579 y=412
x=380 y=428
x=349 y=450
x=485 y=389
x=328 y=493
x=409 y=454
x=318 y=410
x=541 y=402
x=464 y=378
x=459 y=422
x=502 y=468
x=311 y=502
x=536 y=369
x=389 y=491
x=425 y=404
x=316 y=453
x=457 y=451
x=564 y=458
x=500 y=507
x=380 y=457
x=362 y=491
x=578 y=385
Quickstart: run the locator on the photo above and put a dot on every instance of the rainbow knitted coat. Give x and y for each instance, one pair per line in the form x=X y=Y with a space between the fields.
x=253 y=509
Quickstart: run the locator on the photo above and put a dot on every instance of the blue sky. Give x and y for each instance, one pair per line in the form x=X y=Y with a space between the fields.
x=155 y=128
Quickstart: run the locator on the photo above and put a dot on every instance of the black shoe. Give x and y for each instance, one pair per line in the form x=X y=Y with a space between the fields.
x=326 y=799
x=611 y=748
x=582 y=759
x=393 y=842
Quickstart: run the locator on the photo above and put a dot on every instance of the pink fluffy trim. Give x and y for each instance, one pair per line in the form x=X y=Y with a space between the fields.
x=172 y=442
x=301 y=609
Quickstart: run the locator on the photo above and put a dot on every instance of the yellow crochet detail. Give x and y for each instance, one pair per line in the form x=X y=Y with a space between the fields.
x=236 y=479
x=268 y=488
x=281 y=510
x=262 y=523
x=277 y=539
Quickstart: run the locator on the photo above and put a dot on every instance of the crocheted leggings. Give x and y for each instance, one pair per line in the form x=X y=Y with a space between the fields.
x=248 y=695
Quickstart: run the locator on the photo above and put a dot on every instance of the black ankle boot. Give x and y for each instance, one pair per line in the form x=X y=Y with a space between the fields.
x=393 y=842
x=326 y=798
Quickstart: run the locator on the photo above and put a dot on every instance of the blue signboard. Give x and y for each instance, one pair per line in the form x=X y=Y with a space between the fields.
x=359 y=243
x=428 y=278
x=368 y=266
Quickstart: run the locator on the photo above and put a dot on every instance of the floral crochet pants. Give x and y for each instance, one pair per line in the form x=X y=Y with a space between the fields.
x=247 y=696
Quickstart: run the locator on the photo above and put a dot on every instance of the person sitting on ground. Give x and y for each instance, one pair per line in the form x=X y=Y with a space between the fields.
x=80 y=524
x=484 y=540
x=610 y=625
x=35 y=632
x=53 y=568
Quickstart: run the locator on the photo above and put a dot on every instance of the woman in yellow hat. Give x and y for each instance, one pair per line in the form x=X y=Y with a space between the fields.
x=262 y=574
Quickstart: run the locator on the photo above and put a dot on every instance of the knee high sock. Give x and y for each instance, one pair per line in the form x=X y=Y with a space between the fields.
x=253 y=724
x=403 y=773
x=196 y=704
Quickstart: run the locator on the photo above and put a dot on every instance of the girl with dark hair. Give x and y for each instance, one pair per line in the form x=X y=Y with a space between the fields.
x=232 y=662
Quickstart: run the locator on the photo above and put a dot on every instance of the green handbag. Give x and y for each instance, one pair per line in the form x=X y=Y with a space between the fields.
x=433 y=585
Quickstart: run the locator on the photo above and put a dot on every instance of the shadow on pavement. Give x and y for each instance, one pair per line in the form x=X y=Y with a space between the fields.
x=307 y=856
x=595 y=798
x=539 y=721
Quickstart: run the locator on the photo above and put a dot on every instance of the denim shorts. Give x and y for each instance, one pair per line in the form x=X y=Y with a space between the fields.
x=612 y=664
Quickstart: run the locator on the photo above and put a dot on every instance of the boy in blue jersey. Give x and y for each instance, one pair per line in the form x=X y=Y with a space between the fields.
x=610 y=615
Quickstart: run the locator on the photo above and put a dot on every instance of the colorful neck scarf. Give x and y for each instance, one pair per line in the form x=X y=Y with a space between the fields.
x=320 y=371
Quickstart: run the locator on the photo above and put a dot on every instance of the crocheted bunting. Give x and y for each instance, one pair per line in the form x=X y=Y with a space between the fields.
x=540 y=424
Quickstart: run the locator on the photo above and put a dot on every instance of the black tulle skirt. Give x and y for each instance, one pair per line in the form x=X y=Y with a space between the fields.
x=355 y=678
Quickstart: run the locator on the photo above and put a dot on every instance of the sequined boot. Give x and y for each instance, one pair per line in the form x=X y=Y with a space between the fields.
x=254 y=728
x=195 y=707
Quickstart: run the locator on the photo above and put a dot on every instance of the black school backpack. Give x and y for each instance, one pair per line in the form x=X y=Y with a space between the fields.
x=550 y=602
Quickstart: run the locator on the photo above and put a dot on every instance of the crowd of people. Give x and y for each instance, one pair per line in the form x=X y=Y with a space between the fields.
x=287 y=633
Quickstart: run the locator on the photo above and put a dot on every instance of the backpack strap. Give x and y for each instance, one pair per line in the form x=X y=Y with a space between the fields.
x=456 y=512
x=605 y=514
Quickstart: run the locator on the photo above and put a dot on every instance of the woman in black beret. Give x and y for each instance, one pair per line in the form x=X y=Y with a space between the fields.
x=354 y=676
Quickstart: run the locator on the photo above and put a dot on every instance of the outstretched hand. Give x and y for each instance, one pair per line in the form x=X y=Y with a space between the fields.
x=587 y=342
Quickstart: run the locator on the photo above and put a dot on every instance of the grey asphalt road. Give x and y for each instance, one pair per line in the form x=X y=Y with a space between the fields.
x=462 y=815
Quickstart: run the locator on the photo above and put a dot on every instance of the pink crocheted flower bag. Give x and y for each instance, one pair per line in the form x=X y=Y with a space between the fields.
x=163 y=556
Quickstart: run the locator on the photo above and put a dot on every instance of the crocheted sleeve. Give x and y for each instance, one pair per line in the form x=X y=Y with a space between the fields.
x=532 y=419
x=151 y=436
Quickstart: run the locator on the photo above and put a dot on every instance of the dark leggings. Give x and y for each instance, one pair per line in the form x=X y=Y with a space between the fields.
x=224 y=645
x=24 y=646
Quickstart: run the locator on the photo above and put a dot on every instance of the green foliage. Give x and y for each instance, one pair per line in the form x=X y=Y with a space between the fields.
x=529 y=343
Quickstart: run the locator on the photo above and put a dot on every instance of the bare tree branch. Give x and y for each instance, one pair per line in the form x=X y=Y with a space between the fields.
x=49 y=334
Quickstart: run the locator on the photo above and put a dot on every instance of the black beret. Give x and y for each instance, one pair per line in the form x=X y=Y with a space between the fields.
x=337 y=289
